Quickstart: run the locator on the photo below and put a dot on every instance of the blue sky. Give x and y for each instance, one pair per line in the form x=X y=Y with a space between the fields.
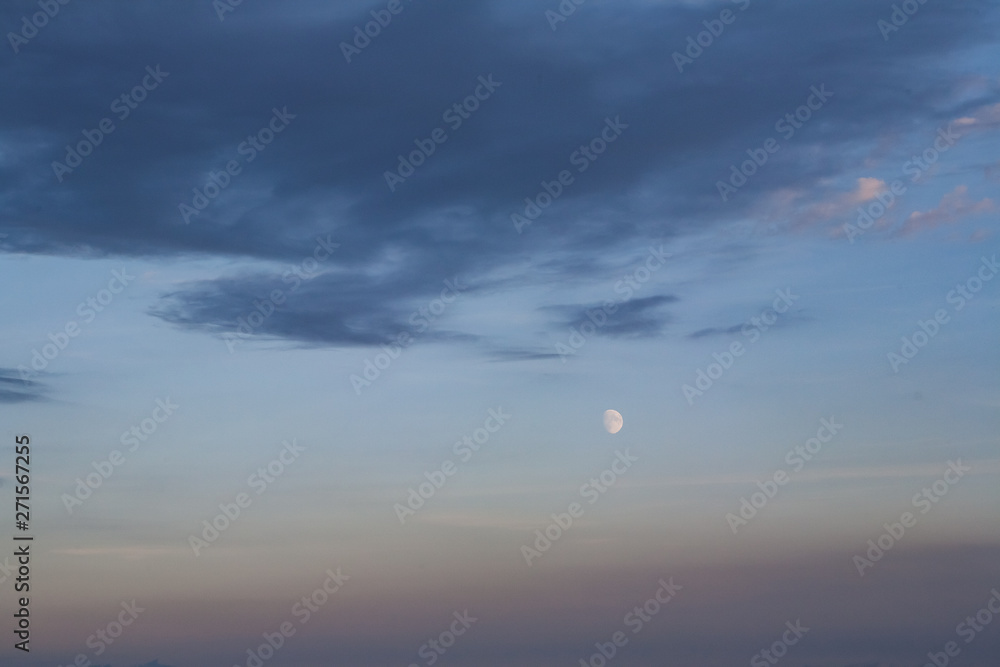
x=396 y=321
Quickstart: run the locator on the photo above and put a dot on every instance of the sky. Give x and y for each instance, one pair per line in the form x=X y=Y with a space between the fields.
x=314 y=311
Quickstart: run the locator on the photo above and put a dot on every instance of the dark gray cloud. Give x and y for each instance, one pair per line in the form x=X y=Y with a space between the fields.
x=15 y=390
x=323 y=309
x=792 y=317
x=518 y=354
x=715 y=331
x=636 y=318
x=323 y=174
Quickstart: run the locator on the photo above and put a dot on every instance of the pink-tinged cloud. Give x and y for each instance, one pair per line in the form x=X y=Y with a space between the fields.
x=867 y=189
x=982 y=117
x=953 y=206
x=837 y=207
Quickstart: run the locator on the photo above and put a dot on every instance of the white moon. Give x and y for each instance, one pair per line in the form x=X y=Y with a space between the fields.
x=613 y=421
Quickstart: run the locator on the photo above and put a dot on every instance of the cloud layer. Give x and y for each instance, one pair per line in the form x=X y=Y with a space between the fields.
x=346 y=124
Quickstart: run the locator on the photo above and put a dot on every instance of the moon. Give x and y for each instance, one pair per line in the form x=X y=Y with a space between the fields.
x=613 y=421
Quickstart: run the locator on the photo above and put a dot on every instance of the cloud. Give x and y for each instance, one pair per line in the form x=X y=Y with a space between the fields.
x=325 y=172
x=329 y=308
x=954 y=206
x=980 y=235
x=984 y=117
x=715 y=331
x=632 y=319
x=803 y=209
x=789 y=318
x=15 y=390
x=520 y=354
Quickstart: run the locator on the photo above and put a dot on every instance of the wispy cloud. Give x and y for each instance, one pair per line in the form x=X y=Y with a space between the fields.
x=953 y=207
x=15 y=390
